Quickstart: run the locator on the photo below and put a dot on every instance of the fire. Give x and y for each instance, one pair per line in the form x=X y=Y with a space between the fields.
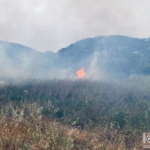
x=80 y=73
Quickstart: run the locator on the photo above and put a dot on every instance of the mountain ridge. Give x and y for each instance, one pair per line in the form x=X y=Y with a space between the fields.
x=116 y=55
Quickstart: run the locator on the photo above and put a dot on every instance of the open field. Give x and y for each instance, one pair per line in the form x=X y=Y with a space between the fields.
x=74 y=114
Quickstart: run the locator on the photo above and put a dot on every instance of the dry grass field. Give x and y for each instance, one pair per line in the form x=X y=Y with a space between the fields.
x=80 y=114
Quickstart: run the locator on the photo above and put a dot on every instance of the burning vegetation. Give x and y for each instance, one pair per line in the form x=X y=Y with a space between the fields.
x=80 y=73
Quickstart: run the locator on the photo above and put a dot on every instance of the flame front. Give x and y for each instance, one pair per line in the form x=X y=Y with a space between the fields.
x=80 y=73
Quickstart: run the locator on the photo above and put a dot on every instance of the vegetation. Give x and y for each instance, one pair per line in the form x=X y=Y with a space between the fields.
x=74 y=114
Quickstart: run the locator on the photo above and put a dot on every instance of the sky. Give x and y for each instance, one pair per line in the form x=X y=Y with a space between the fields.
x=49 y=25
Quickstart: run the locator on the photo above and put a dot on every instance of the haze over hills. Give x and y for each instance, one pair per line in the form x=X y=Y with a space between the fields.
x=119 y=56
x=18 y=60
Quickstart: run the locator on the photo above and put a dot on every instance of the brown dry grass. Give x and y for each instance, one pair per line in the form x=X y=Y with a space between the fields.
x=65 y=115
x=46 y=134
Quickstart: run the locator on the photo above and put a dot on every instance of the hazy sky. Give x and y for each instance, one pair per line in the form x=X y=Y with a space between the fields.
x=54 y=24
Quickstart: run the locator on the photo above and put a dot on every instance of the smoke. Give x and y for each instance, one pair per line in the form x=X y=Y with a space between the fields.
x=26 y=63
x=30 y=65
x=93 y=71
x=5 y=64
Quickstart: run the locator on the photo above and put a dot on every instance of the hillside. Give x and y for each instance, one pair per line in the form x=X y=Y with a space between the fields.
x=70 y=113
x=117 y=56
x=18 y=61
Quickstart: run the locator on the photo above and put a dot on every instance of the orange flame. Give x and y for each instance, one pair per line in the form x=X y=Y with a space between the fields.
x=80 y=73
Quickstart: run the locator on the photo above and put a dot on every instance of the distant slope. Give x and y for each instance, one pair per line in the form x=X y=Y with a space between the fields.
x=19 y=60
x=117 y=55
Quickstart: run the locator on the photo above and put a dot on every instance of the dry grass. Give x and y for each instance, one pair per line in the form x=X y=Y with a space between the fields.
x=47 y=134
x=65 y=115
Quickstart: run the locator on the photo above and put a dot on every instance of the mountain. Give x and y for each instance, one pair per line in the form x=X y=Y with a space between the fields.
x=116 y=55
x=19 y=60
